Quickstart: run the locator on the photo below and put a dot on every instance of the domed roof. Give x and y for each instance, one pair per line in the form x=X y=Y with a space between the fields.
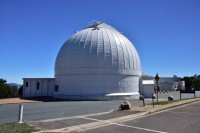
x=98 y=49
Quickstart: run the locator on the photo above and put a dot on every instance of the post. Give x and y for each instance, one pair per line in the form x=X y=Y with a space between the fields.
x=143 y=102
x=20 y=117
x=180 y=94
x=152 y=99
x=194 y=94
x=142 y=98
x=157 y=96
x=157 y=79
x=153 y=102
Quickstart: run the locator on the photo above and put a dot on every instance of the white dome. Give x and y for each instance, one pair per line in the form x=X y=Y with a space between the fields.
x=98 y=49
x=95 y=62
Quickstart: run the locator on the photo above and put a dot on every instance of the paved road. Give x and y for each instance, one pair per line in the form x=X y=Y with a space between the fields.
x=47 y=110
x=185 y=119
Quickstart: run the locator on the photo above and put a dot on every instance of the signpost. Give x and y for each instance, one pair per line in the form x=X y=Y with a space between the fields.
x=157 y=78
x=153 y=97
x=142 y=98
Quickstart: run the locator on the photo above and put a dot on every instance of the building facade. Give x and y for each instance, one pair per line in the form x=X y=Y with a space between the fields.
x=165 y=84
x=96 y=63
x=35 y=87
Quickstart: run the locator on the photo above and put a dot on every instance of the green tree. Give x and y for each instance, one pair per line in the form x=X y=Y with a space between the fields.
x=20 y=92
x=188 y=81
x=2 y=83
x=13 y=91
x=192 y=82
x=7 y=91
x=4 y=89
x=196 y=84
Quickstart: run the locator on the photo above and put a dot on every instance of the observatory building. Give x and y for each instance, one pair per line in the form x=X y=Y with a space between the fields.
x=96 y=63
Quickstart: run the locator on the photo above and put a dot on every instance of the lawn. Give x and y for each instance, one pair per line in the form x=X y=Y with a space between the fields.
x=17 y=128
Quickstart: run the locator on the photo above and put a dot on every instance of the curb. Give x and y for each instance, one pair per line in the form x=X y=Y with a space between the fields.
x=170 y=107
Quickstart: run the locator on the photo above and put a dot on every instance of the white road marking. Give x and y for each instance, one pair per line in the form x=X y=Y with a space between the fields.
x=155 y=131
x=72 y=117
x=113 y=123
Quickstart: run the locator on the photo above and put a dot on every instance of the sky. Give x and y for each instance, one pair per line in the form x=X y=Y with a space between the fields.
x=166 y=33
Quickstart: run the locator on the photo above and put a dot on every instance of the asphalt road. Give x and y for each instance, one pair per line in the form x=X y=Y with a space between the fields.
x=47 y=110
x=185 y=119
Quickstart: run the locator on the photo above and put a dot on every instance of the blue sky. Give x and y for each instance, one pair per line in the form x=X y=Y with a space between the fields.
x=166 y=33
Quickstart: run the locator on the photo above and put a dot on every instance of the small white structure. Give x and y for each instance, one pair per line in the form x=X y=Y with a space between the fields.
x=35 y=87
x=171 y=86
x=181 y=85
x=147 y=88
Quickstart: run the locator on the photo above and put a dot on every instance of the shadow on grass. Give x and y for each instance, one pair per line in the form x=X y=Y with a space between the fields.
x=43 y=99
x=52 y=99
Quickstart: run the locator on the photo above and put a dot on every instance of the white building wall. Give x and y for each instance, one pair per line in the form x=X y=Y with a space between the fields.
x=32 y=87
x=45 y=88
x=181 y=85
x=171 y=86
x=97 y=61
x=38 y=91
x=165 y=83
x=51 y=86
x=146 y=89
x=93 y=86
x=26 y=89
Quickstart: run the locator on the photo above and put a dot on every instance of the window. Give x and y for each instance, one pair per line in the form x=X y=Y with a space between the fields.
x=56 y=88
x=38 y=85
x=26 y=84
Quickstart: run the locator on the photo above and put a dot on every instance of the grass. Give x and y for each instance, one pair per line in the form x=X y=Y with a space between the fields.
x=17 y=128
x=164 y=102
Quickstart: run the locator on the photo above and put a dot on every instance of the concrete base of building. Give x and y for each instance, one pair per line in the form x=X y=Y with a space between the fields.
x=96 y=97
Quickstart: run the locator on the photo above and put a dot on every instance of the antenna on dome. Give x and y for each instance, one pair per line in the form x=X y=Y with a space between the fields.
x=94 y=23
x=89 y=23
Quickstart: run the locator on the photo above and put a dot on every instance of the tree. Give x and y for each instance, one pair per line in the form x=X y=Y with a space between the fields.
x=192 y=82
x=20 y=91
x=188 y=81
x=4 y=89
x=7 y=91
x=13 y=91
x=196 y=84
